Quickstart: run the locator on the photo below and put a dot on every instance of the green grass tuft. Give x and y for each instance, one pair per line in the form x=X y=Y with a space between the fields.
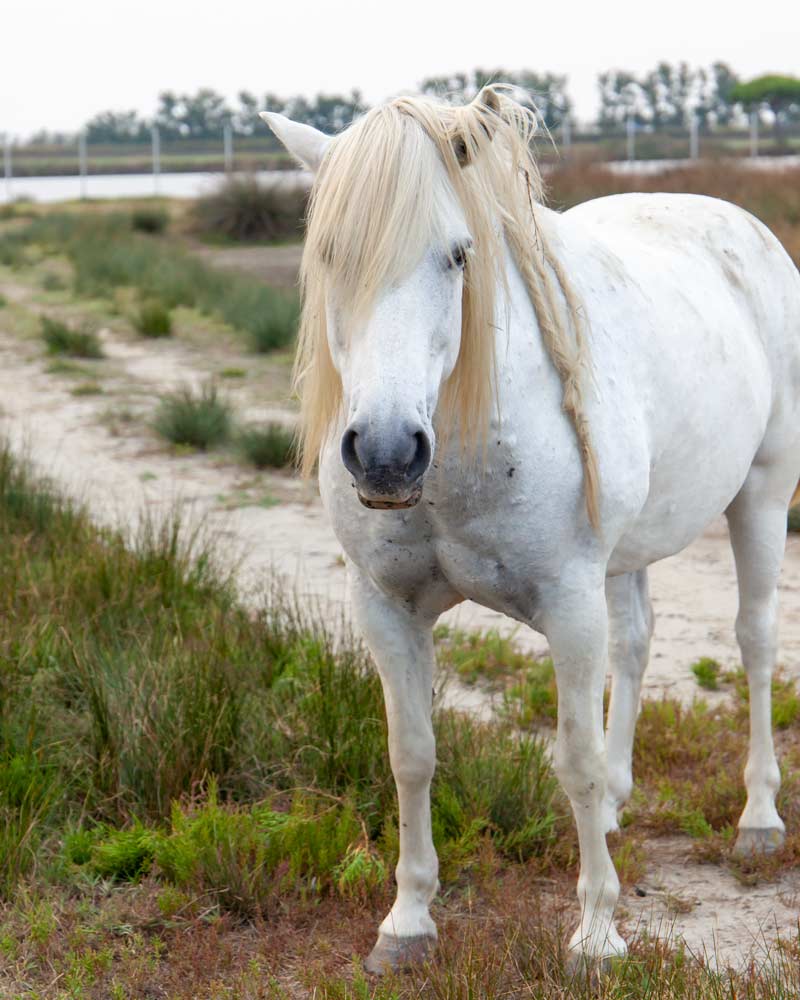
x=150 y=220
x=153 y=319
x=62 y=339
x=87 y=389
x=198 y=419
x=270 y=446
x=53 y=282
x=707 y=672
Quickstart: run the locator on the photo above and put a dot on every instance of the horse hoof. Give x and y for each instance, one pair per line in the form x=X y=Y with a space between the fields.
x=752 y=841
x=396 y=953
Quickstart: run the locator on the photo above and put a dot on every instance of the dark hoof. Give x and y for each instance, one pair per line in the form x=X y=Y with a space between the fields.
x=752 y=842
x=393 y=954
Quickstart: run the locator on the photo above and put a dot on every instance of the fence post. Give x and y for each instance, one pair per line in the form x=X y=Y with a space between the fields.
x=82 y=162
x=227 y=143
x=694 y=138
x=630 y=127
x=7 y=169
x=754 y=134
x=566 y=135
x=155 y=139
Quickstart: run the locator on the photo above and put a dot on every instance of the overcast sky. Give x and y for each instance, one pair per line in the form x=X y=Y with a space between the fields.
x=63 y=62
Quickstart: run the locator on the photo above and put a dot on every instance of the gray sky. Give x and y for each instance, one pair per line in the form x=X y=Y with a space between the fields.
x=63 y=62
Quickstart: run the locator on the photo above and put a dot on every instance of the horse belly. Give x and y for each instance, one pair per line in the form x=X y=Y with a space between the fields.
x=702 y=457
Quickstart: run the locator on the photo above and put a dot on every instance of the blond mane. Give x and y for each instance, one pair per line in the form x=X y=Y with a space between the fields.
x=374 y=211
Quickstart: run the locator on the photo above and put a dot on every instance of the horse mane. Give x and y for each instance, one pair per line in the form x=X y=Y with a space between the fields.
x=374 y=210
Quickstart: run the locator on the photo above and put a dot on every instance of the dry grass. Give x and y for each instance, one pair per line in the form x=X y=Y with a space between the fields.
x=773 y=197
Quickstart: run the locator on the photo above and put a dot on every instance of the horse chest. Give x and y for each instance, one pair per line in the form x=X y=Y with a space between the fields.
x=456 y=544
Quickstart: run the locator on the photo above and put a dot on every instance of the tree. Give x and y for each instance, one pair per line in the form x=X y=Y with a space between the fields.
x=621 y=97
x=780 y=94
x=668 y=92
x=716 y=101
x=667 y=96
x=198 y=116
x=116 y=126
x=245 y=118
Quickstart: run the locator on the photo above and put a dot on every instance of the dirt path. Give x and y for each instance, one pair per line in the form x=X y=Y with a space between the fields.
x=99 y=448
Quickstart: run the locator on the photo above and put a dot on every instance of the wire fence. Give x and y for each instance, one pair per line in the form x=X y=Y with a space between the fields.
x=628 y=142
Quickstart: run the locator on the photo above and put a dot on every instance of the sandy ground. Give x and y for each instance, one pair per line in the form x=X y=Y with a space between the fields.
x=268 y=523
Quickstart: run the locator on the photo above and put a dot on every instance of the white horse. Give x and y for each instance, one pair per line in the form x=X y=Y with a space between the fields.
x=602 y=383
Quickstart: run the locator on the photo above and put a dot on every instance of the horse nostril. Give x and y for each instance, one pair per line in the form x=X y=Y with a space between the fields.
x=349 y=454
x=422 y=457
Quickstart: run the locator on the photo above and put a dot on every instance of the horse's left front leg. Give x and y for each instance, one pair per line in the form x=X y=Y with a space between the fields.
x=401 y=643
x=575 y=622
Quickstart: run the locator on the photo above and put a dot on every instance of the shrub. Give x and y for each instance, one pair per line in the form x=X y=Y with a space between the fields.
x=243 y=209
x=200 y=420
x=245 y=858
x=106 y=255
x=53 y=282
x=266 y=447
x=62 y=339
x=153 y=319
x=269 y=317
x=707 y=671
x=149 y=220
x=125 y=854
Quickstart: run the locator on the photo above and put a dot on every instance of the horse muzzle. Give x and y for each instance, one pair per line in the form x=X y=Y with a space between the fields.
x=387 y=469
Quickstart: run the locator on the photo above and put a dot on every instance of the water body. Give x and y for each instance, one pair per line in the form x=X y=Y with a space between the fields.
x=191 y=185
x=53 y=189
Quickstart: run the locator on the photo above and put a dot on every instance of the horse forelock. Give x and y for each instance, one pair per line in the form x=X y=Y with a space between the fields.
x=378 y=203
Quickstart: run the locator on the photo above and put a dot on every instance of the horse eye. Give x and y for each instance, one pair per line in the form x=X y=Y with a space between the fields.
x=458 y=257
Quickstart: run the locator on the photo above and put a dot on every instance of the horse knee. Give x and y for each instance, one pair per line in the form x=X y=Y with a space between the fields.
x=756 y=633
x=413 y=761
x=582 y=773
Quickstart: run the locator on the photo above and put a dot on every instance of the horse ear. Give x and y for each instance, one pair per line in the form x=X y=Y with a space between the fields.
x=486 y=101
x=305 y=143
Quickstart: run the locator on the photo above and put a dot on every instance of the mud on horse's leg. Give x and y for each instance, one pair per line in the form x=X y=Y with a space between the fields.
x=401 y=644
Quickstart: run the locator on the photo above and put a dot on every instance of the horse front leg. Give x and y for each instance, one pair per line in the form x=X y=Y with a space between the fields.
x=575 y=622
x=401 y=643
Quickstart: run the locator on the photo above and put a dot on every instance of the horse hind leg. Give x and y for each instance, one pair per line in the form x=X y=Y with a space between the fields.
x=757 y=523
x=630 y=630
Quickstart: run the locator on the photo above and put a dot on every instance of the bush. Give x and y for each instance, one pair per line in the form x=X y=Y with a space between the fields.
x=707 y=671
x=53 y=282
x=153 y=319
x=266 y=447
x=243 y=209
x=150 y=220
x=106 y=255
x=201 y=420
x=61 y=339
x=246 y=858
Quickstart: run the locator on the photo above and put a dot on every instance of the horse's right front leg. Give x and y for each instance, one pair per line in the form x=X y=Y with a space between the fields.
x=401 y=643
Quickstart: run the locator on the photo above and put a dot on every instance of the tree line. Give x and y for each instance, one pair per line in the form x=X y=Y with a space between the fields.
x=666 y=96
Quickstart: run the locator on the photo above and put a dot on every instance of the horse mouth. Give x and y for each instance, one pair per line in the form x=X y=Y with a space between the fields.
x=410 y=501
